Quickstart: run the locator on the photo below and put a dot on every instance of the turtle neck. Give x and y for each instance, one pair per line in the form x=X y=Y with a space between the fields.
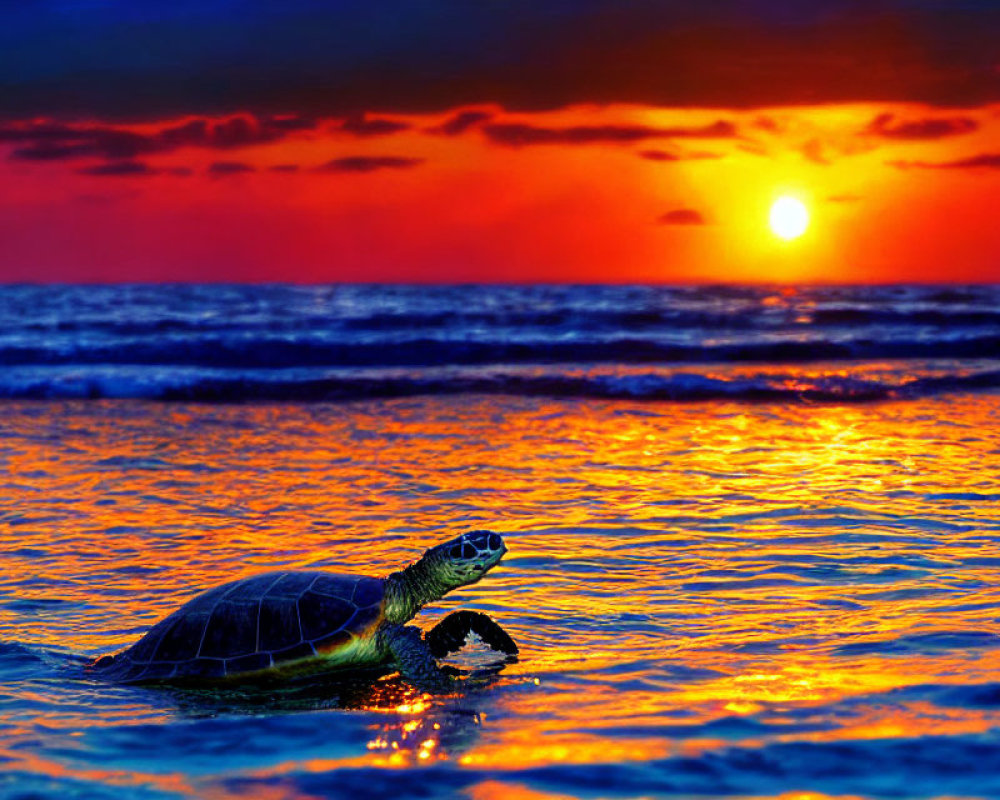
x=407 y=591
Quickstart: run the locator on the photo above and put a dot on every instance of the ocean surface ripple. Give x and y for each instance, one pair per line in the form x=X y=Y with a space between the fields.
x=795 y=597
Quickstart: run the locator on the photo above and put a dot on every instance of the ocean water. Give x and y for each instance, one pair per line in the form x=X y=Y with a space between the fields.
x=754 y=534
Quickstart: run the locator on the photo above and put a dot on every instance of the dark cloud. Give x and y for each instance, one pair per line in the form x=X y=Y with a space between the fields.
x=521 y=134
x=36 y=133
x=460 y=122
x=230 y=168
x=937 y=128
x=368 y=163
x=242 y=130
x=51 y=142
x=58 y=142
x=361 y=125
x=682 y=216
x=659 y=155
x=120 y=169
x=122 y=59
x=47 y=151
x=981 y=161
x=290 y=123
x=768 y=124
x=813 y=150
x=663 y=155
x=284 y=168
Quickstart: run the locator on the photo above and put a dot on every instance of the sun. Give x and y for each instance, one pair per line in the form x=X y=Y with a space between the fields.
x=789 y=217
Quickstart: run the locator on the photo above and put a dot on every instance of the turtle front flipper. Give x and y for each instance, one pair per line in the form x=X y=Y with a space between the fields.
x=451 y=632
x=415 y=661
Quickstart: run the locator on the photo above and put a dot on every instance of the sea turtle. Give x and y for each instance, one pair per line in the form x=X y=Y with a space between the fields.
x=300 y=622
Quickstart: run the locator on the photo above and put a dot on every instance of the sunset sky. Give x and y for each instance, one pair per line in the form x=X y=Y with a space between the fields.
x=452 y=140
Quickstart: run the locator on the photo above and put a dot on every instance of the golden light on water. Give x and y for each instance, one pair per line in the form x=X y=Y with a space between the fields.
x=789 y=217
x=707 y=564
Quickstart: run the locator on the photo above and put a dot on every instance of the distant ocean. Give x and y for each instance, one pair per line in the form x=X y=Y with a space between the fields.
x=227 y=343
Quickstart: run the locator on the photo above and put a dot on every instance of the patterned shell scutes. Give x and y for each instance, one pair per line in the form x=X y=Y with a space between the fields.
x=253 y=624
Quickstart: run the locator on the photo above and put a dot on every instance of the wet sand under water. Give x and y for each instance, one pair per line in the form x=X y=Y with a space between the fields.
x=710 y=599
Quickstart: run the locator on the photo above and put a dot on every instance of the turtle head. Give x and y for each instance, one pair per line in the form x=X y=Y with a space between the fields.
x=466 y=558
x=457 y=562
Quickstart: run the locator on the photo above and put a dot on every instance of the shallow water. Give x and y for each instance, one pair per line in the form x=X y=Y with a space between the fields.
x=750 y=600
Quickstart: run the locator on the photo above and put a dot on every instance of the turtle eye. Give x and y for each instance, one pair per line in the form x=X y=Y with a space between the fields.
x=456 y=551
x=468 y=551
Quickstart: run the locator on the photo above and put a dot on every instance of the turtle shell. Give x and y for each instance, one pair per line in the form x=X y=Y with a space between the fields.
x=253 y=624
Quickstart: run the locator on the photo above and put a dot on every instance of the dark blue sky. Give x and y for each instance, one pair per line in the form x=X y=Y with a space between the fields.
x=122 y=58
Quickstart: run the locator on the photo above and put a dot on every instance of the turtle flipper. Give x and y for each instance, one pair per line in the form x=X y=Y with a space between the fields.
x=451 y=632
x=415 y=661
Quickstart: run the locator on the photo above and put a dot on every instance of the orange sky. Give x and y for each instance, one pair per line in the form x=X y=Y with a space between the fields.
x=896 y=192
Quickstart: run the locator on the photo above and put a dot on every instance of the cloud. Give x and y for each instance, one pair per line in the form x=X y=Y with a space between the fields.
x=981 y=161
x=682 y=216
x=291 y=122
x=663 y=155
x=460 y=122
x=522 y=134
x=47 y=151
x=47 y=142
x=659 y=155
x=769 y=124
x=55 y=142
x=934 y=128
x=813 y=151
x=284 y=168
x=34 y=133
x=120 y=169
x=241 y=130
x=230 y=168
x=133 y=169
x=361 y=125
x=368 y=163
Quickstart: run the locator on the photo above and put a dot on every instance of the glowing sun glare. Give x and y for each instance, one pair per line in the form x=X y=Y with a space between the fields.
x=789 y=217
